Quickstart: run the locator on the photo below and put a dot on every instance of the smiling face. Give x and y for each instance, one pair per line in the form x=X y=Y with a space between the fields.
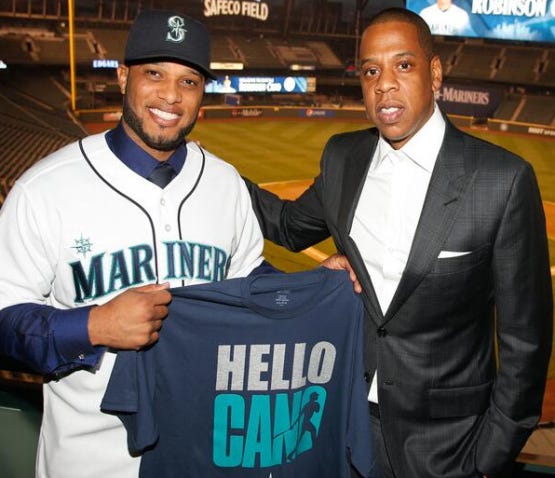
x=398 y=79
x=161 y=104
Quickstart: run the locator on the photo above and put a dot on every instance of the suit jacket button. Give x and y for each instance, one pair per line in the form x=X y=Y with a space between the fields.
x=381 y=331
x=367 y=377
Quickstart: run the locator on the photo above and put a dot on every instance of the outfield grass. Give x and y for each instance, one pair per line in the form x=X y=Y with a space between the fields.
x=277 y=150
x=267 y=151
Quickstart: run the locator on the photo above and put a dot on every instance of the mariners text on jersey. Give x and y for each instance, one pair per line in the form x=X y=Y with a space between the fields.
x=105 y=273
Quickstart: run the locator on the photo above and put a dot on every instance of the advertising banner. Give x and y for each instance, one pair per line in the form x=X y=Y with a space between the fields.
x=522 y=20
x=466 y=100
x=261 y=84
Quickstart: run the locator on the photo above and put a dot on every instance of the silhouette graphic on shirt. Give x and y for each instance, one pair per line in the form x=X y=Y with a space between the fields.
x=311 y=407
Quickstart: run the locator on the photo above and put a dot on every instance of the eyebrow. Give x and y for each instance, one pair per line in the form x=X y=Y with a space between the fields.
x=396 y=55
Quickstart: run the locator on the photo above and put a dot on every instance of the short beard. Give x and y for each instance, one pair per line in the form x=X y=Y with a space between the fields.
x=158 y=143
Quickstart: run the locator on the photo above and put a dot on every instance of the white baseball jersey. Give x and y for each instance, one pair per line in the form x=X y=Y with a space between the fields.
x=77 y=229
x=452 y=21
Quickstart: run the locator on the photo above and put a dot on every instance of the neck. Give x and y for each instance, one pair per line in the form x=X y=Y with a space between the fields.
x=157 y=154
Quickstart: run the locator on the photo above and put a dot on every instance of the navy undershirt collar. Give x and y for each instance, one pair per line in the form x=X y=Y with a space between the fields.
x=137 y=159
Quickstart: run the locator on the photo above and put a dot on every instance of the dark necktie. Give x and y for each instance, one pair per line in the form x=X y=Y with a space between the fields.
x=162 y=175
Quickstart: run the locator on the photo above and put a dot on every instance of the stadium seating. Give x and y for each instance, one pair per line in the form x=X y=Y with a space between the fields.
x=519 y=65
x=537 y=110
x=225 y=50
x=324 y=54
x=33 y=123
x=508 y=110
x=475 y=61
x=547 y=69
x=35 y=101
x=22 y=144
x=322 y=45
x=253 y=51
x=448 y=52
x=502 y=63
x=110 y=41
x=15 y=49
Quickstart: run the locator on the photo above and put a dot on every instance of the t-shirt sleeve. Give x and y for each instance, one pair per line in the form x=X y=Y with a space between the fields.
x=129 y=395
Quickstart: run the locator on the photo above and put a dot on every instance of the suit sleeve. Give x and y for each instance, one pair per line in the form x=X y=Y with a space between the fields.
x=248 y=242
x=296 y=224
x=523 y=298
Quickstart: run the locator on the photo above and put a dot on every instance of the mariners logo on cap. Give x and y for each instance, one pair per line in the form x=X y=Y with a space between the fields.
x=177 y=32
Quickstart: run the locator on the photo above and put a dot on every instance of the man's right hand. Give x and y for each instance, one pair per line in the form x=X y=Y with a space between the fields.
x=340 y=262
x=131 y=320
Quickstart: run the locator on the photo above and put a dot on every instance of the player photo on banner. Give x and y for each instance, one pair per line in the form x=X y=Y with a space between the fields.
x=527 y=20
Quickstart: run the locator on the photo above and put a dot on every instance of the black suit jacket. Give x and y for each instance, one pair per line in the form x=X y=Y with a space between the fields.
x=448 y=408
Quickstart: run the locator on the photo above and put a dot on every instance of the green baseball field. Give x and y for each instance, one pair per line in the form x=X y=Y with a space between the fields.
x=284 y=156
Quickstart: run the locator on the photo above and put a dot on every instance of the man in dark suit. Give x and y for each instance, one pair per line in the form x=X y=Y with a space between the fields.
x=446 y=235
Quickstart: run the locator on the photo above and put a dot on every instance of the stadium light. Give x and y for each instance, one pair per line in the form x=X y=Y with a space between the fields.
x=71 y=15
x=216 y=65
x=296 y=67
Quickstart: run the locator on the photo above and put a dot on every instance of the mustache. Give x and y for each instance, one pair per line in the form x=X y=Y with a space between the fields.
x=158 y=143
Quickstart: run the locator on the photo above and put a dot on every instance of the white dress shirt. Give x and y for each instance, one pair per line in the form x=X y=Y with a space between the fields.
x=389 y=208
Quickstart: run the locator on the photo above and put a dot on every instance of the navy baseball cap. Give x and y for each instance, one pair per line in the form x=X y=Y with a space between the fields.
x=158 y=35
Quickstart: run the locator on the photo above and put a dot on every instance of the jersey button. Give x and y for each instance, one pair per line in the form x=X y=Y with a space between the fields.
x=168 y=228
x=162 y=202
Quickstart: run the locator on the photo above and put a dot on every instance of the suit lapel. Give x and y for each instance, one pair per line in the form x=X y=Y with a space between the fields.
x=357 y=164
x=448 y=183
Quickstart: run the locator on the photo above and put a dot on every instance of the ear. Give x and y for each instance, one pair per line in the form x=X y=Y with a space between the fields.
x=436 y=71
x=123 y=74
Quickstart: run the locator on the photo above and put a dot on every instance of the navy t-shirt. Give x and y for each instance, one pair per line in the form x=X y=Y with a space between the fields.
x=254 y=377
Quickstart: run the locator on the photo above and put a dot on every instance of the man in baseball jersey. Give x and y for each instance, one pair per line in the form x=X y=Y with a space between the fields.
x=91 y=240
x=446 y=18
